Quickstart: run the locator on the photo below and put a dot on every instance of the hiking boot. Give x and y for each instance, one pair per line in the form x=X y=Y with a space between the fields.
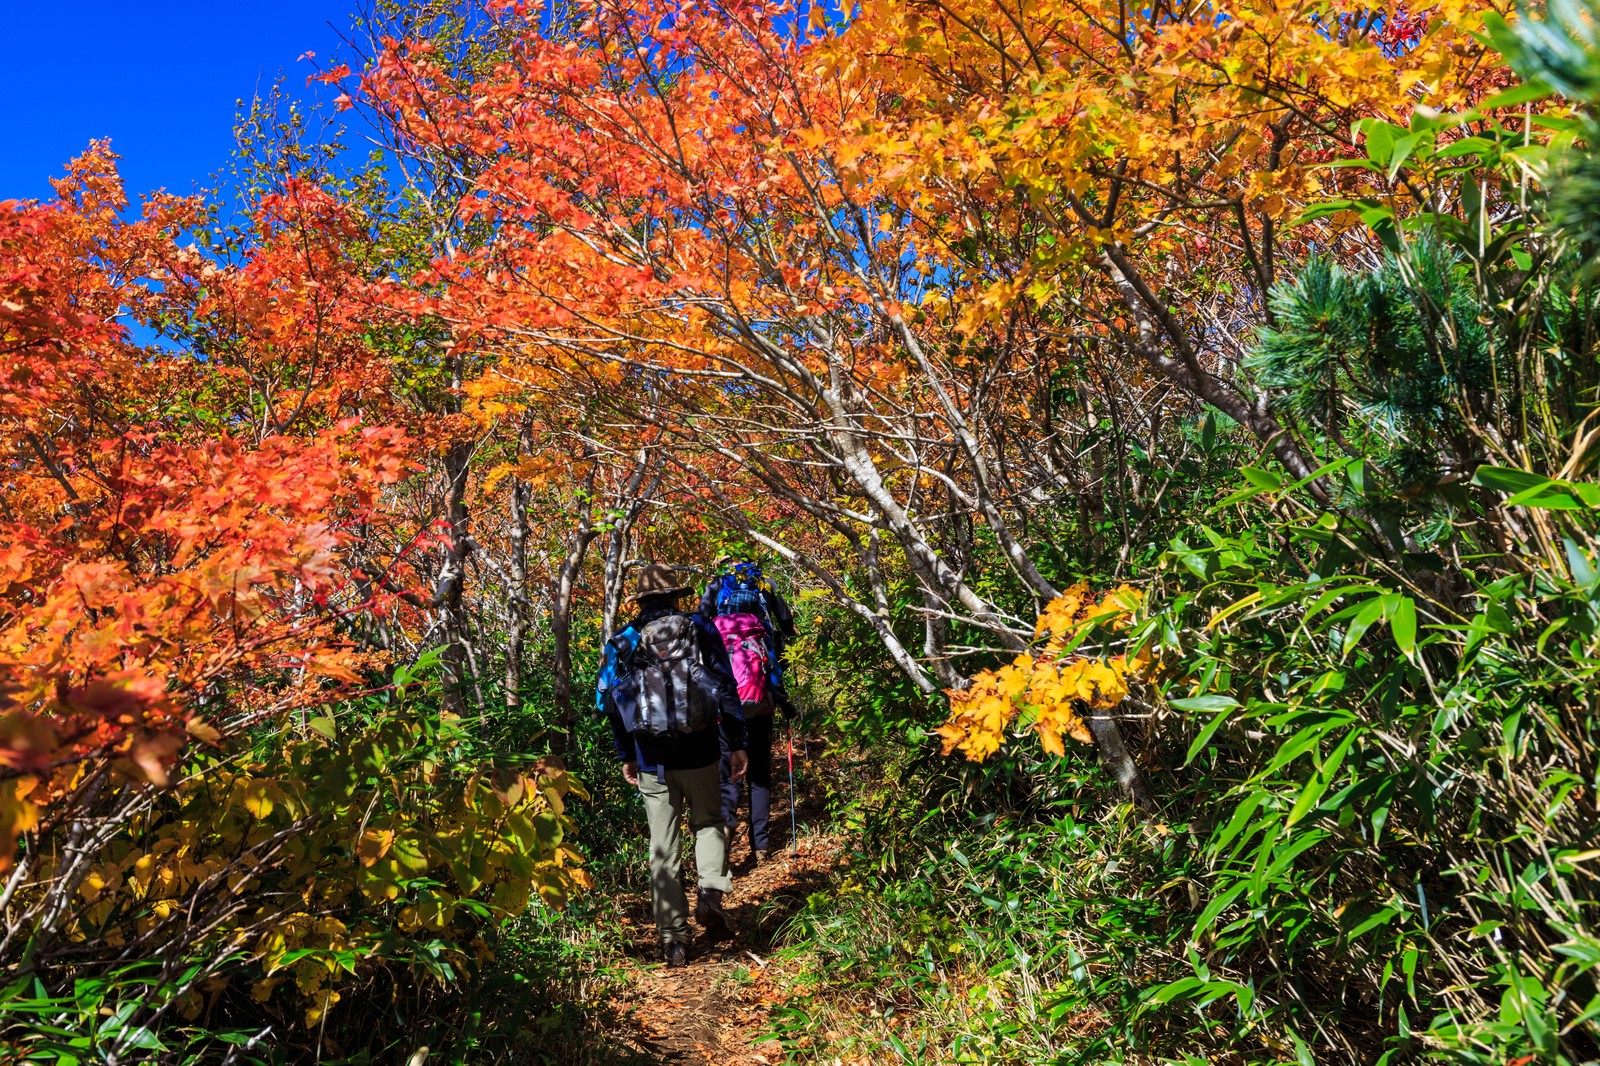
x=763 y=855
x=709 y=913
x=675 y=955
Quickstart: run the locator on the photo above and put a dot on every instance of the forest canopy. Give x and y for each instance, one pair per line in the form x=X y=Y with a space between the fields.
x=1176 y=427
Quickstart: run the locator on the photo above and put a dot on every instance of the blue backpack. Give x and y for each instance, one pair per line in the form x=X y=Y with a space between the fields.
x=743 y=592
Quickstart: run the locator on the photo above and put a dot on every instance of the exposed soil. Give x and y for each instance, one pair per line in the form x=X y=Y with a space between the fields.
x=714 y=1011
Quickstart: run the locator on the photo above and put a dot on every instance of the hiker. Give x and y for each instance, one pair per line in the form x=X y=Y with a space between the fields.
x=742 y=587
x=667 y=688
x=755 y=624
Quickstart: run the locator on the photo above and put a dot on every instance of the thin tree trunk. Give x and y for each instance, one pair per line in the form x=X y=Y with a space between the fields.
x=563 y=588
x=517 y=600
x=612 y=577
x=457 y=460
x=1114 y=750
x=566 y=585
x=635 y=496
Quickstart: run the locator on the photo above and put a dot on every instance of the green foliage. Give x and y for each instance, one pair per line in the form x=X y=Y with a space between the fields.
x=1377 y=839
x=1394 y=823
x=989 y=914
x=1371 y=725
x=113 y=1014
x=1377 y=363
x=365 y=856
x=1560 y=52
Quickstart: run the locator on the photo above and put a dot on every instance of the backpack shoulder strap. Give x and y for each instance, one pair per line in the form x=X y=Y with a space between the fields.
x=703 y=625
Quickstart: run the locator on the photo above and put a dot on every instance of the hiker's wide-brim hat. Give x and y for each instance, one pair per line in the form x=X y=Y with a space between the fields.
x=657 y=580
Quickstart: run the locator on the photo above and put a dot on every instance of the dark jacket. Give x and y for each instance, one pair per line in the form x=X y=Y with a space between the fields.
x=690 y=751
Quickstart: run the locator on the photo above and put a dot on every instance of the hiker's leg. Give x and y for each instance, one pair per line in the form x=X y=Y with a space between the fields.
x=731 y=790
x=705 y=821
x=663 y=807
x=760 y=772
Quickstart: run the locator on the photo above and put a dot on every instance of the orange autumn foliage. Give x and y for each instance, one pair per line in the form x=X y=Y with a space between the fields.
x=855 y=255
x=1105 y=126
x=1047 y=690
x=155 y=564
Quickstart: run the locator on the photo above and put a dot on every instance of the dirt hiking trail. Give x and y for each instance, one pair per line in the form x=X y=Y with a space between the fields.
x=711 y=1012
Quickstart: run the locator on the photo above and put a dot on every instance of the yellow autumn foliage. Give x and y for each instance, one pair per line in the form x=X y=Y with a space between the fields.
x=1048 y=689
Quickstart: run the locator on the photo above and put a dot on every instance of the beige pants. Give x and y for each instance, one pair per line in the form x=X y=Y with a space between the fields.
x=663 y=808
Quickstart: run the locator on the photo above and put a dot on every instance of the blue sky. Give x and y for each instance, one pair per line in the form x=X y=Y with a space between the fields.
x=159 y=77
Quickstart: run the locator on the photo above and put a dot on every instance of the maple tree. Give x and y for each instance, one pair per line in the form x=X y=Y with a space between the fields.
x=193 y=535
x=863 y=262
x=1051 y=685
x=154 y=561
x=1138 y=171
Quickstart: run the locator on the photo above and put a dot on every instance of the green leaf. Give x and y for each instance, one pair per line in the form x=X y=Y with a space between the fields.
x=1466 y=146
x=1369 y=613
x=1302 y=1052
x=1205 y=704
x=1297 y=745
x=1318 y=785
x=1259 y=481
x=1583 y=573
x=1205 y=736
x=1583 y=950
x=1401 y=151
x=1167 y=992
x=1403 y=624
x=1549 y=631
x=1380 y=138
x=1379 y=917
x=1216 y=907
x=1558 y=496
x=1241 y=818
x=1507 y=479
x=1316 y=211
x=1529 y=93
x=1262 y=479
x=1527 y=489
x=408 y=850
x=1298 y=845
x=1357 y=473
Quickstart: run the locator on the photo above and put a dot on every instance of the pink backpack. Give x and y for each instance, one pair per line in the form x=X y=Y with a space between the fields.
x=745 y=637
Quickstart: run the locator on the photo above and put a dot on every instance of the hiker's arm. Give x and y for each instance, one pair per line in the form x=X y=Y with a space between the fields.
x=782 y=616
x=621 y=738
x=715 y=656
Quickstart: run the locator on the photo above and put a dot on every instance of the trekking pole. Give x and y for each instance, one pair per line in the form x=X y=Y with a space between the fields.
x=788 y=732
